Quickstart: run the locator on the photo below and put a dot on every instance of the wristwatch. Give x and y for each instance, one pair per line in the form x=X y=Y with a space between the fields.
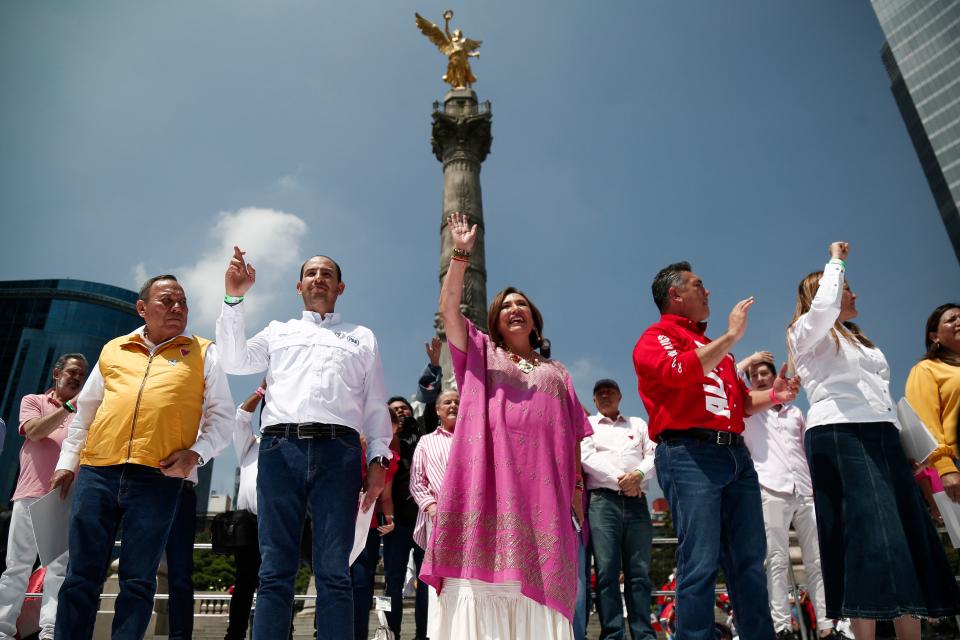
x=382 y=461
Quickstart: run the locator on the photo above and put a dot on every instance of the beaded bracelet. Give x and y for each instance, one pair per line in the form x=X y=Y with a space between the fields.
x=460 y=253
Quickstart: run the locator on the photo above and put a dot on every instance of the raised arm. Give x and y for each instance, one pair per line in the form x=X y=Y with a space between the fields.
x=813 y=326
x=237 y=355
x=451 y=293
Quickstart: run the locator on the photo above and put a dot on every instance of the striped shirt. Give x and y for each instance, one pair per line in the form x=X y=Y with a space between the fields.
x=426 y=476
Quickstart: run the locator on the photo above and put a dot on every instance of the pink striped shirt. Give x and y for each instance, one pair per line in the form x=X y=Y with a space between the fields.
x=426 y=476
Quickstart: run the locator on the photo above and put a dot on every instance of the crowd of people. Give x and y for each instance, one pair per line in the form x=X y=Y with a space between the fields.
x=501 y=490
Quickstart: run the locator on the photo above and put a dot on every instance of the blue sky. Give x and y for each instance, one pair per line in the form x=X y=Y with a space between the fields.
x=140 y=138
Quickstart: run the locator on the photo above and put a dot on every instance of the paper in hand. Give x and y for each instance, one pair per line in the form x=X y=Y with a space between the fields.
x=50 y=516
x=362 y=530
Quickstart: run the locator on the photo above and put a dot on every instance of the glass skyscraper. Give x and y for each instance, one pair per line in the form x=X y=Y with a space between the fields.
x=41 y=320
x=922 y=58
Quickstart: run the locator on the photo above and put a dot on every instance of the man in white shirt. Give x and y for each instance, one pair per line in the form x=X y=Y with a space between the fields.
x=155 y=406
x=617 y=465
x=324 y=388
x=775 y=440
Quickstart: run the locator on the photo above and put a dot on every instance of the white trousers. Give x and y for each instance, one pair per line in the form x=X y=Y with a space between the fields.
x=477 y=610
x=21 y=554
x=779 y=510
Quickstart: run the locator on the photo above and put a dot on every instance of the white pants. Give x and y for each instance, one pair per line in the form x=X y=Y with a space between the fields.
x=779 y=509
x=21 y=554
x=477 y=610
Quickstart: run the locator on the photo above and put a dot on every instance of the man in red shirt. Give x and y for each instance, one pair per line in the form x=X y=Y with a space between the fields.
x=696 y=404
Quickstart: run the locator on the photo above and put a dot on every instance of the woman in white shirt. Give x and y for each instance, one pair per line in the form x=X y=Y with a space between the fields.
x=881 y=556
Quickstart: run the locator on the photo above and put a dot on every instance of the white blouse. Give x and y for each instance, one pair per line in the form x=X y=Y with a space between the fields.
x=849 y=384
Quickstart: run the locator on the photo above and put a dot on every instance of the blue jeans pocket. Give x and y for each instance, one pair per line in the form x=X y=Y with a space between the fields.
x=271 y=443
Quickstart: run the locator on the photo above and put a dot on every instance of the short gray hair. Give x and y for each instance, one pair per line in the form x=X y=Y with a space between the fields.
x=670 y=276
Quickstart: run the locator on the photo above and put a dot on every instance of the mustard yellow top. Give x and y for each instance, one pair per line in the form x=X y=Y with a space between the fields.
x=152 y=403
x=933 y=390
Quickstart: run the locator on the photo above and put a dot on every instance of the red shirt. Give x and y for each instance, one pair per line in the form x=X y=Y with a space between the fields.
x=673 y=386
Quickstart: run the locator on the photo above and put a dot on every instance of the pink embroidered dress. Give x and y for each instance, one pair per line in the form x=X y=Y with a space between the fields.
x=504 y=511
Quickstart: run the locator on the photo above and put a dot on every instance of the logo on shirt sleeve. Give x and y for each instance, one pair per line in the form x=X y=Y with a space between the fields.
x=671 y=352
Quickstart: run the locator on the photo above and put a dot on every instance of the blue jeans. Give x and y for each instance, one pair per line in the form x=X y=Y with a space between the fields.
x=362 y=573
x=422 y=599
x=715 y=503
x=180 y=565
x=396 y=552
x=321 y=475
x=622 y=541
x=141 y=501
x=580 y=611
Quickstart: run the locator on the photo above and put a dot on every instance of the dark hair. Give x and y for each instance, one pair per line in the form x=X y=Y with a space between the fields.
x=669 y=276
x=769 y=365
x=400 y=399
x=145 y=289
x=934 y=351
x=536 y=336
x=62 y=360
x=320 y=255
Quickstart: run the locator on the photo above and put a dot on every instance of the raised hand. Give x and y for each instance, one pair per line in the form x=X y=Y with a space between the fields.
x=839 y=250
x=240 y=275
x=737 y=322
x=464 y=236
x=433 y=350
x=754 y=358
x=785 y=389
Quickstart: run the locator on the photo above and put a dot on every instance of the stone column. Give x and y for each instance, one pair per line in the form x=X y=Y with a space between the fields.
x=461 y=141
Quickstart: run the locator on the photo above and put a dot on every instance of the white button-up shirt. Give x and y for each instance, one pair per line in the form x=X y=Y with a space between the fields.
x=426 y=476
x=849 y=384
x=775 y=440
x=615 y=448
x=216 y=419
x=319 y=369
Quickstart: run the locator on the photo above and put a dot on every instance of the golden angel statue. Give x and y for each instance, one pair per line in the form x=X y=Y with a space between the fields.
x=458 y=50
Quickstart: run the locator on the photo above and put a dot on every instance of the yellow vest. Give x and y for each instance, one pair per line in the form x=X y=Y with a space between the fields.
x=151 y=406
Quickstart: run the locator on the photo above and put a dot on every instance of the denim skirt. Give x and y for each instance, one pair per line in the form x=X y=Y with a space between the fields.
x=880 y=555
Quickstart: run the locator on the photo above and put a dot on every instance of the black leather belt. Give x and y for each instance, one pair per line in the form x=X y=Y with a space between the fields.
x=722 y=438
x=616 y=493
x=308 y=430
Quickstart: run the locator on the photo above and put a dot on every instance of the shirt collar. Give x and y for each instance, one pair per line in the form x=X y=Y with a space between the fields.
x=323 y=321
x=138 y=336
x=443 y=431
x=602 y=419
x=687 y=323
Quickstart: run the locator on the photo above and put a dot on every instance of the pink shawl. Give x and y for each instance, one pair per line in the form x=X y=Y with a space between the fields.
x=504 y=510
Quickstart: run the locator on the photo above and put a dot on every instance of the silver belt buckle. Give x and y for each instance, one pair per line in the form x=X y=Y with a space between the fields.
x=724 y=437
x=300 y=436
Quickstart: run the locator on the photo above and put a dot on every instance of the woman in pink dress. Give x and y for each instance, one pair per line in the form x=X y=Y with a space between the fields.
x=503 y=552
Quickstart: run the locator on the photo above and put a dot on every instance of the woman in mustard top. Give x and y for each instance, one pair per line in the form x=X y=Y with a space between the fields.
x=933 y=390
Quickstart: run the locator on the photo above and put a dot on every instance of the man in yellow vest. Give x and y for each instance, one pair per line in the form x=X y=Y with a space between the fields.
x=154 y=407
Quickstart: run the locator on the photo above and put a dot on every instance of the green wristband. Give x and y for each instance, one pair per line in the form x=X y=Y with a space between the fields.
x=842 y=263
x=232 y=300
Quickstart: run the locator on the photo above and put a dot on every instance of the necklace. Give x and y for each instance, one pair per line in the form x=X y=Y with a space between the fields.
x=525 y=365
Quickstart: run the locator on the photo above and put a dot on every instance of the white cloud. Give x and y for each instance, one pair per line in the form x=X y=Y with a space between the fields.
x=271 y=240
x=289 y=183
x=138 y=275
x=292 y=181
